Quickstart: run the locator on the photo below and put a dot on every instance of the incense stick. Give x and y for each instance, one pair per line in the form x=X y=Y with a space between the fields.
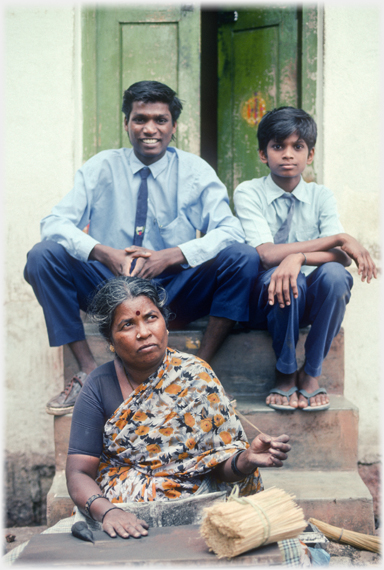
x=242 y=417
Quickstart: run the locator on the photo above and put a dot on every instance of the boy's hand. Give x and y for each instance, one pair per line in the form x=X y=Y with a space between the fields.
x=365 y=265
x=284 y=279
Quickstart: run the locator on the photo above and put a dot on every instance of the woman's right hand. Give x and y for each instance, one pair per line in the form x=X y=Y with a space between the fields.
x=124 y=524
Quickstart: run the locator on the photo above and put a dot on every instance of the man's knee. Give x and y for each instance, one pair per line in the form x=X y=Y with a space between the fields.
x=41 y=256
x=243 y=256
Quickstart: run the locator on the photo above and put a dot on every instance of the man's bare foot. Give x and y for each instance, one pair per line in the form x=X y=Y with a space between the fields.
x=309 y=384
x=284 y=382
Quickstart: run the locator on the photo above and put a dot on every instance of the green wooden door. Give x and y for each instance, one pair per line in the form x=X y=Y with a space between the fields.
x=124 y=45
x=259 y=68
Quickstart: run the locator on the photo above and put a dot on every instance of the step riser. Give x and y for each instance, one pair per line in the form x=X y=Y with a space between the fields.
x=59 y=503
x=61 y=430
x=354 y=513
x=320 y=441
x=339 y=498
x=245 y=364
x=323 y=440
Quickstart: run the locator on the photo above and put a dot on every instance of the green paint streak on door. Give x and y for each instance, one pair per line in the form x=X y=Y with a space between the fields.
x=125 y=45
x=160 y=62
x=257 y=71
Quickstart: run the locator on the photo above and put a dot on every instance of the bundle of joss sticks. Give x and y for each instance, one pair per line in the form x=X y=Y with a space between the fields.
x=243 y=523
x=356 y=539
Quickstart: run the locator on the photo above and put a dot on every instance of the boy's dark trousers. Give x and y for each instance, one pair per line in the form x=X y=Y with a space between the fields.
x=322 y=300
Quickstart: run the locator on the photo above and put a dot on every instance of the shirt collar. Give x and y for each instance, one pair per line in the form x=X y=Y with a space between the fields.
x=156 y=168
x=274 y=191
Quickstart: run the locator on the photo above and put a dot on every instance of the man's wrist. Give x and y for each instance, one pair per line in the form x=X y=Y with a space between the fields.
x=176 y=256
x=97 y=252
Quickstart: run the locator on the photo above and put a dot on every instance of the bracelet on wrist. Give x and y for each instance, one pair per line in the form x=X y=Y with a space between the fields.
x=89 y=503
x=234 y=467
x=107 y=511
x=305 y=258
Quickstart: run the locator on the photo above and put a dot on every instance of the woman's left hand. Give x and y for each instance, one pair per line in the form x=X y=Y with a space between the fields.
x=264 y=451
x=125 y=524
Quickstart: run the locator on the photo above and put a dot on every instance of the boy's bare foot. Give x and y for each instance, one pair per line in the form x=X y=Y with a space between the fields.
x=309 y=384
x=284 y=382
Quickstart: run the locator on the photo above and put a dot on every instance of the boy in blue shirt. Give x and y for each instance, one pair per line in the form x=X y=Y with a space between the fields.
x=303 y=250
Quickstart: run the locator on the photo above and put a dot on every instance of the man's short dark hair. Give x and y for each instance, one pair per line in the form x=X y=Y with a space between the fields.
x=151 y=92
x=281 y=123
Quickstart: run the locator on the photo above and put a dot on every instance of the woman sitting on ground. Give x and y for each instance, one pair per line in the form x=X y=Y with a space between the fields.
x=154 y=424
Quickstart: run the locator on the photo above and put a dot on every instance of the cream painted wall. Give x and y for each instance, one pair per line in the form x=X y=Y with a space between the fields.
x=42 y=148
x=352 y=158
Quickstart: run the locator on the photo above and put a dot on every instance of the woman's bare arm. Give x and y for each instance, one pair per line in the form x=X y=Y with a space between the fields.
x=81 y=472
x=264 y=451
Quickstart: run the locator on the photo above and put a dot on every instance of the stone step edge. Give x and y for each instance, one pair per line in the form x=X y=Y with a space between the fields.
x=333 y=497
x=339 y=498
x=248 y=404
x=338 y=451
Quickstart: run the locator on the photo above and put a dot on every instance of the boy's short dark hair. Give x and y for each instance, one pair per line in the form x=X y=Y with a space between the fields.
x=281 y=123
x=151 y=92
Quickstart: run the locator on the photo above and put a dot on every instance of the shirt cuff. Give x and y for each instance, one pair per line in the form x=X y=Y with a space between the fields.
x=83 y=249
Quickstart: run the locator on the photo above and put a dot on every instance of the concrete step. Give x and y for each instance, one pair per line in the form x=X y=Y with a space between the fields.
x=339 y=498
x=320 y=440
x=245 y=363
x=59 y=503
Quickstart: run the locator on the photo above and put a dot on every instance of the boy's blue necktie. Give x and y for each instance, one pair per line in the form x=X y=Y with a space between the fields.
x=282 y=233
x=142 y=207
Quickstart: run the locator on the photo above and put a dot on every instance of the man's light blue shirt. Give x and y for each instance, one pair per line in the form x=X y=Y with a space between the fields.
x=184 y=195
x=262 y=208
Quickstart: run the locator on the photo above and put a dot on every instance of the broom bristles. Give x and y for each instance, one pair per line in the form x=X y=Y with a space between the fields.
x=234 y=527
x=356 y=539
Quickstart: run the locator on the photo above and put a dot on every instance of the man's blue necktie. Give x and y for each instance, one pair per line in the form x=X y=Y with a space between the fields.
x=142 y=207
x=282 y=233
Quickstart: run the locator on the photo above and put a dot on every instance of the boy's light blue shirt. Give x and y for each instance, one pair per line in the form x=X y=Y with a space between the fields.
x=262 y=209
x=184 y=195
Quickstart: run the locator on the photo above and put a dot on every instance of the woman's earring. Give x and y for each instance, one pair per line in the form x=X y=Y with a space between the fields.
x=111 y=348
x=167 y=331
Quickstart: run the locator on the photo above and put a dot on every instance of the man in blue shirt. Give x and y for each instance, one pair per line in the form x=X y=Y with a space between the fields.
x=142 y=207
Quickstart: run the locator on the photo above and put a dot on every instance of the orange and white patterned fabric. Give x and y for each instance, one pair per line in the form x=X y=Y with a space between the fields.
x=165 y=439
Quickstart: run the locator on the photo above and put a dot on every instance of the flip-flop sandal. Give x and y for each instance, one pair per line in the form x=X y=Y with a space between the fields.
x=310 y=408
x=287 y=394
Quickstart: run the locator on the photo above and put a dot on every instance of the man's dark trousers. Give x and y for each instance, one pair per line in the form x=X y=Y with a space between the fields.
x=63 y=285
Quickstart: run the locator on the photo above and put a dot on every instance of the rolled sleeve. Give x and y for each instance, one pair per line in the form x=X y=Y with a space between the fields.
x=209 y=212
x=249 y=209
x=67 y=220
x=329 y=221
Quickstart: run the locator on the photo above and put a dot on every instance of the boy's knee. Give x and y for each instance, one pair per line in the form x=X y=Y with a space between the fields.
x=335 y=278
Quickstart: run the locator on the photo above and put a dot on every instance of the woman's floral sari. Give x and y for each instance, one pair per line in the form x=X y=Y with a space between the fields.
x=165 y=439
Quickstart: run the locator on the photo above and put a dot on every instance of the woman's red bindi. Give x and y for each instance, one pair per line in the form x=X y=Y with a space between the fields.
x=137 y=313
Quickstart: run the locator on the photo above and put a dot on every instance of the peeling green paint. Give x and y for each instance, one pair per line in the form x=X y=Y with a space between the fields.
x=126 y=44
x=270 y=52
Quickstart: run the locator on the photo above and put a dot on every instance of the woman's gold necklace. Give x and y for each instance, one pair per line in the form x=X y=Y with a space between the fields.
x=129 y=382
